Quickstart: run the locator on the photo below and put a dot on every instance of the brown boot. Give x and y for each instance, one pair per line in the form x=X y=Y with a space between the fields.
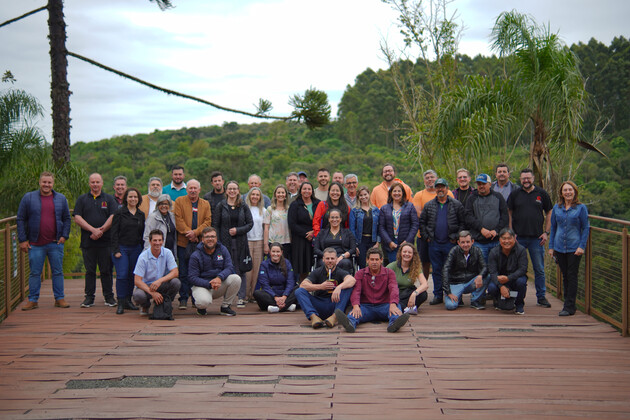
x=331 y=321
x=61 y=303
x=316 y=322
x=33 y=305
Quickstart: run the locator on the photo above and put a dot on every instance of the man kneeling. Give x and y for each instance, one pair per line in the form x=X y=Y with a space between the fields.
x=155 y=275
x=507 y=266
x=375 y=296
x=211 y=274
x=331 y=287
x=464 y=272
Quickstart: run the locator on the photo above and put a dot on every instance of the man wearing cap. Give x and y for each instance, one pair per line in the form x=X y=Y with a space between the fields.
x=503 y=184
x=302 y=178
x=381 y=191
x=441 y=221
x=486 y=214
x=507 y=269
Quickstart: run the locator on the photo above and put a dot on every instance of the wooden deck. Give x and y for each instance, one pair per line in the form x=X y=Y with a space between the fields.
x=92 y=363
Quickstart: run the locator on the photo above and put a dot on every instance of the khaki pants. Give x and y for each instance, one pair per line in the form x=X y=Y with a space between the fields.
x=256 y=251
x=228 y=289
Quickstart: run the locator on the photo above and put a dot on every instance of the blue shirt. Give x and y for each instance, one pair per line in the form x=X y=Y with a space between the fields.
x=151 y=268
x=569 y=228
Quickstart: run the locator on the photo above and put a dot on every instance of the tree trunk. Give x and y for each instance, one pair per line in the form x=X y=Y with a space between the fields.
x=59 y=87
x=539 y=154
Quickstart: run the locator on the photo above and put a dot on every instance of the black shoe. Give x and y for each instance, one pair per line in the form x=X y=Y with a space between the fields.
x=227 y=311
x=121 y=307
x=201 y=312
x=564 y=312
x=343 y=320
x=396 y=325
x=436 y=300
x=477 y=305
x=129 y=304
x=110 y=301
x=88 y=302
x=461 y=302
x=544 y=302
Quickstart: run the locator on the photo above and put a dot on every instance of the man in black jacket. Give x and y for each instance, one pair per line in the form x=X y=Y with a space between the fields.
x=507 y=267
x=464 y=272
x=440 y=222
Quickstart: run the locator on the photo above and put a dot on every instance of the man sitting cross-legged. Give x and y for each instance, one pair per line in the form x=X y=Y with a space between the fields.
x=375 y=296
x=155 y=275
x=331 y=287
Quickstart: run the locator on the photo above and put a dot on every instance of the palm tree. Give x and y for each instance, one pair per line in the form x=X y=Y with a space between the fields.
x=542 y=95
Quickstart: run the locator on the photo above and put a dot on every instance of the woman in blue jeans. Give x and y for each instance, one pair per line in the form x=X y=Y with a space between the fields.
x=364 y=224
x=127 y=240
x=567 y=241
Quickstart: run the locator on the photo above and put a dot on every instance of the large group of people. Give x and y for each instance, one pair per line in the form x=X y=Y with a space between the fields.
x=316 y=248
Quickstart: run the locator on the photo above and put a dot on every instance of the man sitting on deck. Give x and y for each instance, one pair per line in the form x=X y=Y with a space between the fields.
x=375 y=296
x=507 y=265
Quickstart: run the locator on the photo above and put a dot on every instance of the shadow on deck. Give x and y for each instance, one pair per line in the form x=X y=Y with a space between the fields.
x=92 y=363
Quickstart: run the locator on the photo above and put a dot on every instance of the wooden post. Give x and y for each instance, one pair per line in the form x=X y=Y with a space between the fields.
x=625 y=314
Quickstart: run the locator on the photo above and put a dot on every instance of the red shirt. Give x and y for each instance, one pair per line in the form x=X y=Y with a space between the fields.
x=47 y=222
x=378 y=289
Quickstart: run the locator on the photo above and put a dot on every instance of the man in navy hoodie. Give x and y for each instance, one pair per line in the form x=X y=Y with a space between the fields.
x=211 y=274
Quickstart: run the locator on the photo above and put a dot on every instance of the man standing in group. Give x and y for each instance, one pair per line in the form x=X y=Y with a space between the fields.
x=217 y=193
x=177 y=187
x=464 y=190
x=331 y=287
x=464 y=272
x=352 y=182
x=120 y=186
x=337 y=176
x=155 y=275
x=292 y=186
x=507 y=267
x=503 y=184
x=441 y=221
x=255 y=181
x=486 y=214
x=323 y=179
x=530 y=217
x=381 y=191
x=93 y=212
x=192 y=216
x=43 y=226
x=212 y=274
x=302 y=178
x=374 y=297
x=150 y=200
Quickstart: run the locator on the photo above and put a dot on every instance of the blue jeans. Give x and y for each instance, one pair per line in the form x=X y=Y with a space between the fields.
x=365 y=244
x=125 y=264
x=182 y=262
x=463 y=288
x=437 y=254
x=485 y=248
x=322 y=306
x=373 y=312
x=537 y=255
x=519 y=285
x=36 y=257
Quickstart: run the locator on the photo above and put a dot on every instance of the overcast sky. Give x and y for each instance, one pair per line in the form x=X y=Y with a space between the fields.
x=233 y=52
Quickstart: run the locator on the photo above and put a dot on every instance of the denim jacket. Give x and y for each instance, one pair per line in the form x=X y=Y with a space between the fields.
x=569 y=228
x=29 y=214
x=356 y=223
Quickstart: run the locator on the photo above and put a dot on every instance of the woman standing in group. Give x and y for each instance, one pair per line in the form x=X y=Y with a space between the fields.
x=398 y=222
x=409 y=271
x=162 y=218
x=276 y=226
x=277 y=283
x=233 y=221
x=127 y=239
x=341 y=239
x=301 y=221
x=364 y=224
x=567 y=241
x=255 y=237
x=335 y=200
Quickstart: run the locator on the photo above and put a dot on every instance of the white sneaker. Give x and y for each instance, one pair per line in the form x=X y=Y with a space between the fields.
x=411 y=311
x=272 y=309
x=241 y=303
x=292 y=307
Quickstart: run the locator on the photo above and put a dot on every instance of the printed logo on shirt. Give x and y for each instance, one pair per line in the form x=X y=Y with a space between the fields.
x=103 y=205
x=219 y=257
x=538 y=199
x=195 y=209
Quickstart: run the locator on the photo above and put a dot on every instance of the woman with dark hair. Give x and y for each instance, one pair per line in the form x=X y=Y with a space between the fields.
x=162 y=218
x=277 y=283
x=364 y=224
x=341 y=239
x=276 y=226
x=335 y=200
x=398 y=222
x=233 y=220
x=127 y=239
x=567 y=240
x=409 y=272
x=300 y=220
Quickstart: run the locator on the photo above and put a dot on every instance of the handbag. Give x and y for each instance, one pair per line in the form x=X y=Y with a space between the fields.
x=246 y=264
x=164 y=310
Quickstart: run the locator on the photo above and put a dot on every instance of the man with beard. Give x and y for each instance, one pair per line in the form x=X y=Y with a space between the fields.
x=177 y=188
x=503 y=184
x=381 y=191
x=530 y=208
x=323 y=179
x=217 y=194
x=464 y=272
x=150 y=200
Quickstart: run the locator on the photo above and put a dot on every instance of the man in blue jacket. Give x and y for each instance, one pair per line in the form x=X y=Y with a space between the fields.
x=211 y=274
x=43 y=223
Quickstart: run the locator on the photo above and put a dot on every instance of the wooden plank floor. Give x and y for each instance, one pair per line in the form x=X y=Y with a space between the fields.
x=92 y=363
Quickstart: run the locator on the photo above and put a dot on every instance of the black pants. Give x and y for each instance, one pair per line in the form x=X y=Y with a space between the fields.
x=264 y=300
x=569 y=264
x=405 y=294
x=101 y=257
